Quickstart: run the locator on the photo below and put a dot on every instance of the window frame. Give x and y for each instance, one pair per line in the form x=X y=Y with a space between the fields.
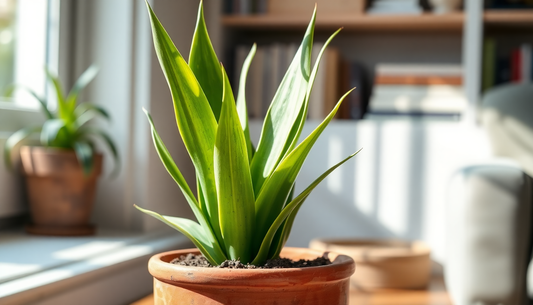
x=23 y=110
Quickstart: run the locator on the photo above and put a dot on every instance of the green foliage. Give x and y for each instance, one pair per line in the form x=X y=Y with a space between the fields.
x=69 y=128
x=245 y=207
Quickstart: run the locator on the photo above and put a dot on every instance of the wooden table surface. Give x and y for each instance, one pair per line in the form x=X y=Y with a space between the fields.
x=435 y=295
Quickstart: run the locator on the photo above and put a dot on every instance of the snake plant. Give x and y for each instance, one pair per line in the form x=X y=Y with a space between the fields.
x=245 y=205
x=69 y=127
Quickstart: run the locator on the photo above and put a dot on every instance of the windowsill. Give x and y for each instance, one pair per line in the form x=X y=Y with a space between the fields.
x=35 y=268
x=14 y=116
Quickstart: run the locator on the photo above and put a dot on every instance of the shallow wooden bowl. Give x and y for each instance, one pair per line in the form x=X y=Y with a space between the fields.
x=383 y=264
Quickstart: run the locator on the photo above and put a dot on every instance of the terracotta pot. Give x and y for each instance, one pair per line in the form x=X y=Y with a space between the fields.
x=60 y=195
x=383 y=264
x=174 y=284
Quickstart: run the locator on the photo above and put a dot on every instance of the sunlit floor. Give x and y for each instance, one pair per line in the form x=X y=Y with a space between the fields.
x=435 y=295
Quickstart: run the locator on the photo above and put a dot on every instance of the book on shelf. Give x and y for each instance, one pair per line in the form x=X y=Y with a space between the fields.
x=387 y=7
x=426 y=70
x=305 y=7
x=418 y=80
x=508 y=4
x=301 y=7
x=503 y=64
x=315 y=110
x=488 y=77
x=334 y=77
x=244 y=7
x=432 y=99
x=427 y=89
x=357 y=99
x=331 y=92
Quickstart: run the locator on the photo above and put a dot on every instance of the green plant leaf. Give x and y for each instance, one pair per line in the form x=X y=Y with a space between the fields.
x=61 y=103
x=196 y=121
x=283 y=113
x=90 y=107
x=86 y=117
x=8 y=91
x=195 y=233
x=277 y=187
x=298 y=126
x=87 y=131
x=15 y=139
x=284 y=231
x=241 y=102
x=85 y=155
x=234 y=183
x=205 y=64
x=51 y=134
x=81 y=83
x=282 y=235
x=42 y=101
x=175 y=173
x=286 y=212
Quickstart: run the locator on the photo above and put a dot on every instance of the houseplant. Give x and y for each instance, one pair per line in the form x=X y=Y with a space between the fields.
x=61 y=174
x=245 y=206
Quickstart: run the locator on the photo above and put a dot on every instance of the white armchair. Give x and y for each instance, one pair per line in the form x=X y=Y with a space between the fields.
x=490 y=208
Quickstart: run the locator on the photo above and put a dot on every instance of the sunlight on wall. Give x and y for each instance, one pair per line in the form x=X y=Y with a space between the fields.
x=364 y=168
x=335 y=150
x=394 y=156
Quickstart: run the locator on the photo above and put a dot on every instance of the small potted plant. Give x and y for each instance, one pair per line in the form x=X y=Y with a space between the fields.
x=61 y=173
x=245 y=205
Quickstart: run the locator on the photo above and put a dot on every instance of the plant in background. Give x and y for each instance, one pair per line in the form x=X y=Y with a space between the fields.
x=69 y=128
x=245 y=206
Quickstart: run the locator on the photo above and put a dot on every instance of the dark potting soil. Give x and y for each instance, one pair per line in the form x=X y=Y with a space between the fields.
x=201 y=261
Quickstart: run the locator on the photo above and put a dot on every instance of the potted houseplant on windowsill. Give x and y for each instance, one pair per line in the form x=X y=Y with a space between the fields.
x=61 y=173
x=245 y=205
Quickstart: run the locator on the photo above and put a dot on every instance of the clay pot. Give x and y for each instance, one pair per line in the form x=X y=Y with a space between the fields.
x=174 y=284
x=60 y=195
x=383 y=264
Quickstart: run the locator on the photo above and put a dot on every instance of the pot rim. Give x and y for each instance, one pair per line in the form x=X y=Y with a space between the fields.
x=30 y=168
x=342 y=267
x=50 y=150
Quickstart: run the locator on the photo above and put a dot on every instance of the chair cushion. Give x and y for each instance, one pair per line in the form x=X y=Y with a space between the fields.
x=507 y=116
x=489 y=234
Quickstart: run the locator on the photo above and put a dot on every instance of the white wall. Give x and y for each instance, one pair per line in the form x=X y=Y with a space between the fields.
x=394 y=188
x=116 y=36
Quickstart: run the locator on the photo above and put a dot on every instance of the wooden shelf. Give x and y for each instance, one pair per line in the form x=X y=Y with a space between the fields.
x=508 y=18
x=424 y=22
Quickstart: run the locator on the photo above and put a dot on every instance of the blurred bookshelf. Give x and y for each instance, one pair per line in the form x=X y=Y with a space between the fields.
x=368 y=40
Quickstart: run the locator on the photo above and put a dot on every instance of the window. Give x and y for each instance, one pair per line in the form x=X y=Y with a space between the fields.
x=29 y=41
x=7 y=41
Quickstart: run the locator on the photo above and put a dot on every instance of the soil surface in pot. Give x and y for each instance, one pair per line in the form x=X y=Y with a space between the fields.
x=201 y=261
